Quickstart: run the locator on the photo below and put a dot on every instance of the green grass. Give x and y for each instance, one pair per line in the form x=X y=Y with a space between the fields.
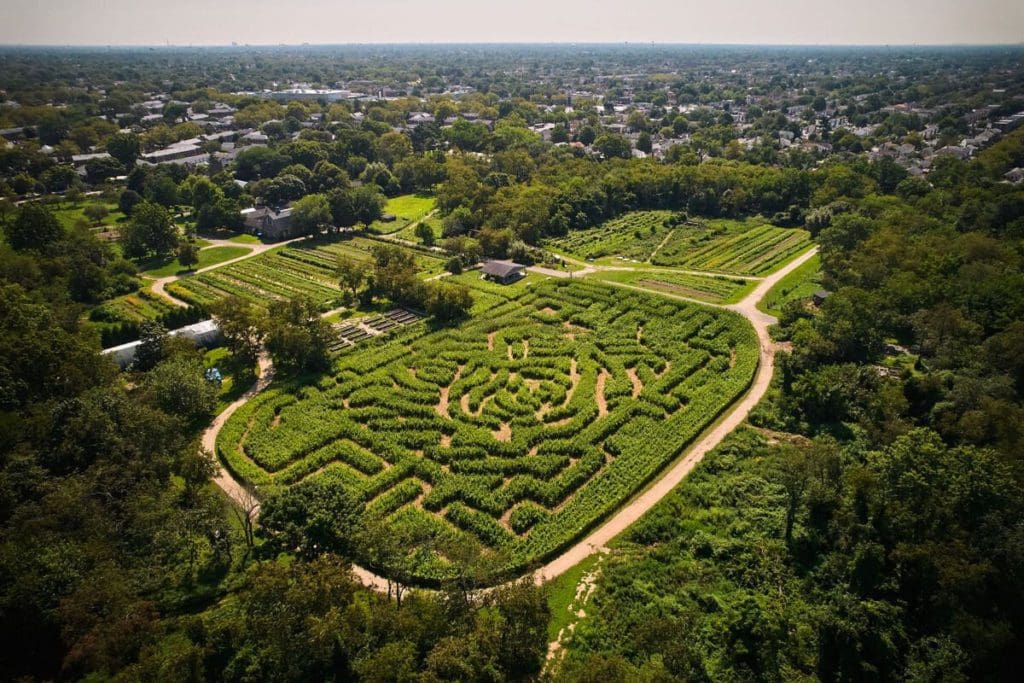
x=245 y=238
x=207 y=257
x=70 y=215
x=235 y=380
x=719 y=289
x=406 y=209
x=409 y=232
x=561 y=594
x=799 y=284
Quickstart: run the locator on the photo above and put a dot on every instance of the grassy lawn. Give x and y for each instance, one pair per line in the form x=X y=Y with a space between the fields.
x=407 y=209
x=409 y=231
x=799 y=284
x=207 y=257
x=245 y=238
x=70 y=215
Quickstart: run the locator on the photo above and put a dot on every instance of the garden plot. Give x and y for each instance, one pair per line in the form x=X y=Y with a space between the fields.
x=307 y=270
x=744 y=247
x=522 y=428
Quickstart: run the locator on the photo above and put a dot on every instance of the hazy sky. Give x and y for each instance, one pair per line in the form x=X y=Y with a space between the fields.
x=219 y=22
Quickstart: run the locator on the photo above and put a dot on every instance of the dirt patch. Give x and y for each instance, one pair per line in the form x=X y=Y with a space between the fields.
x=574 y=381
x=640 y=335
x=276 y=422
x=732 y=358
x=634 y=379
x=442 y=402
x=490 y=340
x=504 y=433
x=446 y=441
x=547 y=310
x=602 y=405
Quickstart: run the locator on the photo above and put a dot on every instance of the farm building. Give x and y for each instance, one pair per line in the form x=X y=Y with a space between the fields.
x=269 y=223
x=819 y=297
x=204 y=333
x=503 y=271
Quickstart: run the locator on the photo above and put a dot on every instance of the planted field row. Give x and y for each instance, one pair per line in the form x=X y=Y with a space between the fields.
x=633 y=236
x=747 y=246
x=522 y=428
x=711 y=289
x=306 y=270
x=754 y=251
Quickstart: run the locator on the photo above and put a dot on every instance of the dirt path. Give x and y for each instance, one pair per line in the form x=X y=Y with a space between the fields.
x=159 y=284
x=647 y=499
x=660 y=245
x=597 y=540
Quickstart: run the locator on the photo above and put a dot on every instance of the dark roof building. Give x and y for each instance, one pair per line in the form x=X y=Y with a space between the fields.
x=268 y=223
x=503 y=271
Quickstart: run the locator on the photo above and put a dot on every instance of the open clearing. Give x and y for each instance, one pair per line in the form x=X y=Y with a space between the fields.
x=407 y=209
x=525 y=445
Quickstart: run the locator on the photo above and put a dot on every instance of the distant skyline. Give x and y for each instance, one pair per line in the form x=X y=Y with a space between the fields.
x=271 y=22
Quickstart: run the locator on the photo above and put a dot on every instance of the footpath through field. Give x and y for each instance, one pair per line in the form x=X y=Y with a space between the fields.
x=159 y=284
x=597 y=540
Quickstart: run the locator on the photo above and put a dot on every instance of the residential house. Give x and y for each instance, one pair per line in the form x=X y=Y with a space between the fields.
x=268 y=223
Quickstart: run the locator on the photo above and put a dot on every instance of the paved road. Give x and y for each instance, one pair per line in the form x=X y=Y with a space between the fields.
x=596 y=541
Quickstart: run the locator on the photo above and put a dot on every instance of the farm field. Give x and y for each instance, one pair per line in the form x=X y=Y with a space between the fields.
x=747 y=247
x=718 y=289
x=632 y=237
x=301 y=269
x=521 y=429
x=407 y=209
x=800 y=284
x=137 y=307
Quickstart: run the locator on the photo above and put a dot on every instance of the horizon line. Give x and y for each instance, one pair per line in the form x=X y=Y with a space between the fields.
x=570 y=43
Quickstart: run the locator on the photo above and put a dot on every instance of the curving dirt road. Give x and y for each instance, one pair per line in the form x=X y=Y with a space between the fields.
x=595 y=541
x=632 y=511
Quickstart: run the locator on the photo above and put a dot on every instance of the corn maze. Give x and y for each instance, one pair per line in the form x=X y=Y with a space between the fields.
x=523 y=428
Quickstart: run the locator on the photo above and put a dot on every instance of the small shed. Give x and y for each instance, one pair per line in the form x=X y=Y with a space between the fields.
x=504 y=272
x=819 y=297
